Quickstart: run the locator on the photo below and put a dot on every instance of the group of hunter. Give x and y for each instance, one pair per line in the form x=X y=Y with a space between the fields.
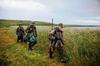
x=29 y=36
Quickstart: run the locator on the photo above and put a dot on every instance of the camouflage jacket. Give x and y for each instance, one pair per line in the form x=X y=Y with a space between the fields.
x=20 y=31
x=56 y=36
x=32 y=29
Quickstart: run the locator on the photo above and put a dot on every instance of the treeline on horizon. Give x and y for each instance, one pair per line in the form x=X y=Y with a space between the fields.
x=7 y=23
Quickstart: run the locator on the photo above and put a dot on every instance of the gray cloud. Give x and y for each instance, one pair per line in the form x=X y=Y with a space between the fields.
x=67 y=11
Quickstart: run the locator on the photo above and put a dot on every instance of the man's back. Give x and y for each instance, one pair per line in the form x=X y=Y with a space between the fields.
x=20 y=31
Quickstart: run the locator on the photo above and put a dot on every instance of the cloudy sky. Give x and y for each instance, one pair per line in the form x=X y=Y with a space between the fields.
x=66 y=11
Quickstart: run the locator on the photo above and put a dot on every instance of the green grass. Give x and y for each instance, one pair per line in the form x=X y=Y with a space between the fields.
x=82 y=48
x=7 y=23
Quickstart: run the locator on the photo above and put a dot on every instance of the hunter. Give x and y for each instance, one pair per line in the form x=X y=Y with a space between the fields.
x=56 y=39
x=31 y=35
x=20 y=33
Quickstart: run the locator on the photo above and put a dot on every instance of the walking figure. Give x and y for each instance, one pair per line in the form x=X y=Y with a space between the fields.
x=31 y=36
x=20 y=33
x=56 y=39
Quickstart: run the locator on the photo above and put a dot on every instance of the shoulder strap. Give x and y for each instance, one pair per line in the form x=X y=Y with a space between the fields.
x=58 y=34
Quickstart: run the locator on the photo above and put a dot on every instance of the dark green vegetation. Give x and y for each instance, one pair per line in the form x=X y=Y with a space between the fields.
x=7 y=23
x=82 y=48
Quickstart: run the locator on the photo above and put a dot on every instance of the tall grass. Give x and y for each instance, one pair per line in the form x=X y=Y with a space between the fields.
x=81 y=48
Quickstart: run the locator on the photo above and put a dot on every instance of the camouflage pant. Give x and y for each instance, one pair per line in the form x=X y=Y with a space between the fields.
x=56 y=45
x=20 y=38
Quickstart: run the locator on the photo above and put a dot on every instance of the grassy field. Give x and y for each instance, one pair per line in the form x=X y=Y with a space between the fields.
x=7 y=23
x=82 y=48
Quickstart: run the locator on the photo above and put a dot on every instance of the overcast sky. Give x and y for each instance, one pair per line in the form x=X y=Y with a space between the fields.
x=66 y=11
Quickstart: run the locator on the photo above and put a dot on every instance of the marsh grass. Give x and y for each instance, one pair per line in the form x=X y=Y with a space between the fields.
x=81 y=48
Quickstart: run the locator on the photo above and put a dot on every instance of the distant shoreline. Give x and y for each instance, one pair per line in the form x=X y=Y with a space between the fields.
x=7 y=23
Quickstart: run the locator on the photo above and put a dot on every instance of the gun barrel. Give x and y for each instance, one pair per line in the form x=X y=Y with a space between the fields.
x=52 y=23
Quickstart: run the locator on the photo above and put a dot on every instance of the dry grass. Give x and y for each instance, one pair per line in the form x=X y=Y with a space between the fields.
x=6 y=37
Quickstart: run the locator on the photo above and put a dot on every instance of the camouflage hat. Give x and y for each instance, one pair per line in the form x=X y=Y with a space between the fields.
x=61 y=25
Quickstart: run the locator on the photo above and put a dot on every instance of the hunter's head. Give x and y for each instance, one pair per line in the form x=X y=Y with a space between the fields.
x=32 y=24
x=61 y=25
x=20 y=25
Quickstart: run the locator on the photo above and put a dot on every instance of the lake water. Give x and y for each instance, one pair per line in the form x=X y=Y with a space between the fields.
x=82 y=28
x=49 y=27
x=38 y=27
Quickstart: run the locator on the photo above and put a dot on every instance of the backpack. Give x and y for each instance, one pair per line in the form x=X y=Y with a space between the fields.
x=55 y=34
x=51 y=35
x=58 y=34
x=56 y=37
x=30 y=38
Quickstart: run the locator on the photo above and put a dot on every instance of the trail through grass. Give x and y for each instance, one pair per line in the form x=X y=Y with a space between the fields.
x=81 y=49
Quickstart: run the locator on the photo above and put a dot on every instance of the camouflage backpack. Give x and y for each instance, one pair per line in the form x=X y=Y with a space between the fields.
x=55 y=34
